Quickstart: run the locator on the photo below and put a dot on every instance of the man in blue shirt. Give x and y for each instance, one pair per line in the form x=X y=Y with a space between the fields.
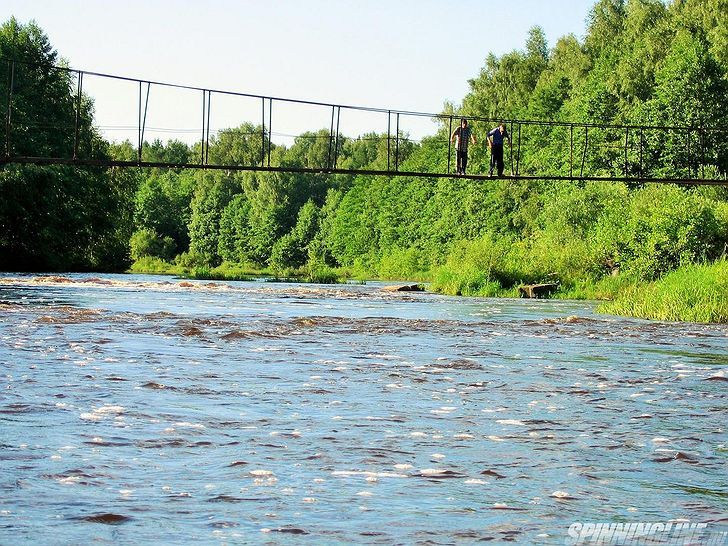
x=462 y=136
x=495 y=143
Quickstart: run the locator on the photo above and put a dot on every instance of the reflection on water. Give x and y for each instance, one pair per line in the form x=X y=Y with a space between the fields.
x=146 y=409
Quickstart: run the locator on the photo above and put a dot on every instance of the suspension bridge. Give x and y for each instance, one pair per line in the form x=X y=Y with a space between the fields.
x=580 y=151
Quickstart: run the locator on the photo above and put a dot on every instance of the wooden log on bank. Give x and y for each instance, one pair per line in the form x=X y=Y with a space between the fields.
x=537 y=290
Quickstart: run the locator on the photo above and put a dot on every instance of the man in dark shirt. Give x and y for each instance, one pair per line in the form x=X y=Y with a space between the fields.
x=462 y=136
x=495 y=143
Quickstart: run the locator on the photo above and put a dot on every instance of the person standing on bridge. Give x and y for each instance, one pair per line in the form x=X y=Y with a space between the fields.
x=495 y=143
x=462 y=136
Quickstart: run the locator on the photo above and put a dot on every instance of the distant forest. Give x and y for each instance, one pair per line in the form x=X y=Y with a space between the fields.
x=644 y=62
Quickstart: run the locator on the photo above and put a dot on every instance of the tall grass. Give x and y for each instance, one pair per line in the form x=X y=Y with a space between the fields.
x=693 y=293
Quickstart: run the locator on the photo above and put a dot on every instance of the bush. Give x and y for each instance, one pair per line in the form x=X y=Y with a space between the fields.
x=146 y=242
x=662 y=228
x=403 y=264
x=288 y=252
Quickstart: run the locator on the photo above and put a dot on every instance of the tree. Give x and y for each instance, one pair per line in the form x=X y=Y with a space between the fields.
x=55 y=217
x=213 y=193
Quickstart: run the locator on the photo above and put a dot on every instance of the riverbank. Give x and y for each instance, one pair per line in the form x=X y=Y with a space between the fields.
x=692 y=293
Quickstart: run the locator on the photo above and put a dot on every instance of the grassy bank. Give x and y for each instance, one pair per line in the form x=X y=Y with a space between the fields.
x=234 y=272
x=693 y=293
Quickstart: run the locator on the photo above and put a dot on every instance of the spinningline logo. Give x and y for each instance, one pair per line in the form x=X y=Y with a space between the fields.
x=670 y=532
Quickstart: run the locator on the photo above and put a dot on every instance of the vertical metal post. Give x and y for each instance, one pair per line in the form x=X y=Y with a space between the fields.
x=11 y=71
x=571 y=151
x=202 y=140
x=262 y=130
x=207 y=134
x=331 y=137
x=270 y=126
x=583 y=156
x=336 y=142
x=396 y=147
x=139 y=126
x=702 y=153
x=449 y=145
x=626 y=144
x=389 y=136
x=689 y=163
x=78 y=115
x=642 y=140
x=510 y=146
x=144 y=117
x=518 y=152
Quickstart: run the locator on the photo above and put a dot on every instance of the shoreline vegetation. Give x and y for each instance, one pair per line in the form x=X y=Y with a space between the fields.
x=646 y=250
x=692 y=293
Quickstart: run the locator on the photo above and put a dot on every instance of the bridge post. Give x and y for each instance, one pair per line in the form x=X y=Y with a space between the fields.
x=331 y=136
x=139 y=125
x=202 y=138
x=336 y=141
x=583 y=156
x=207 y=134
x=270 y=126
x=510 y=146
x=571 y=151
x=626 y=144
x=262 y=130
x=396 y=147
x=518 y=151
x=389 y=137
x=689 y=162
x=11 y=75
x=78 y=115
x=702 y=152
x=449 y=145
x=642 y=139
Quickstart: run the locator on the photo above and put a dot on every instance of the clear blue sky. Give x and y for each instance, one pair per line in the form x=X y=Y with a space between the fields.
x=399 y=54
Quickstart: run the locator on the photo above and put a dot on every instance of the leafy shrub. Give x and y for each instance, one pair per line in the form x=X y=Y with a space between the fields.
x=146 y=242
x=405 y=264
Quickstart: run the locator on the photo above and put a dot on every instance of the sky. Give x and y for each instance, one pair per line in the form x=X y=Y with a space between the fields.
x=408 y=55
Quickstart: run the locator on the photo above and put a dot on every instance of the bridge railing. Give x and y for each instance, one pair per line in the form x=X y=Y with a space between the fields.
x=59 y=115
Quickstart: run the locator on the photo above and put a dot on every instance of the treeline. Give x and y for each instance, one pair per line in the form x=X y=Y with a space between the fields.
x=642 y=62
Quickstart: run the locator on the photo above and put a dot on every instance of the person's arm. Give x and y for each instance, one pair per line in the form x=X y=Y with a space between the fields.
x=452 y=136
x=473 y=140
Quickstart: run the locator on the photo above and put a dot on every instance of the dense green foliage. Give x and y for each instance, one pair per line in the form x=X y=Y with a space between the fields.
x=641 y=62
x=55 y=217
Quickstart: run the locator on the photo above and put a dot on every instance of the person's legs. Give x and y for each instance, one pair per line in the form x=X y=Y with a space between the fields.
x=499 y=159
x=464 y=162
x=459 y=155
x=492 y=160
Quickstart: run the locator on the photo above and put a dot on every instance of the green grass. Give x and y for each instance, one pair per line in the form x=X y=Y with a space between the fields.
x=465 y=282
x=693 y=293
x=235 y=272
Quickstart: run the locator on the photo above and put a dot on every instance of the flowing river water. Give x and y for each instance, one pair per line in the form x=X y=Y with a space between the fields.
x=150 y=410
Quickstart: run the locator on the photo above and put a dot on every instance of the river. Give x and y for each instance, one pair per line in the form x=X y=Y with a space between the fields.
x=151 y=410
